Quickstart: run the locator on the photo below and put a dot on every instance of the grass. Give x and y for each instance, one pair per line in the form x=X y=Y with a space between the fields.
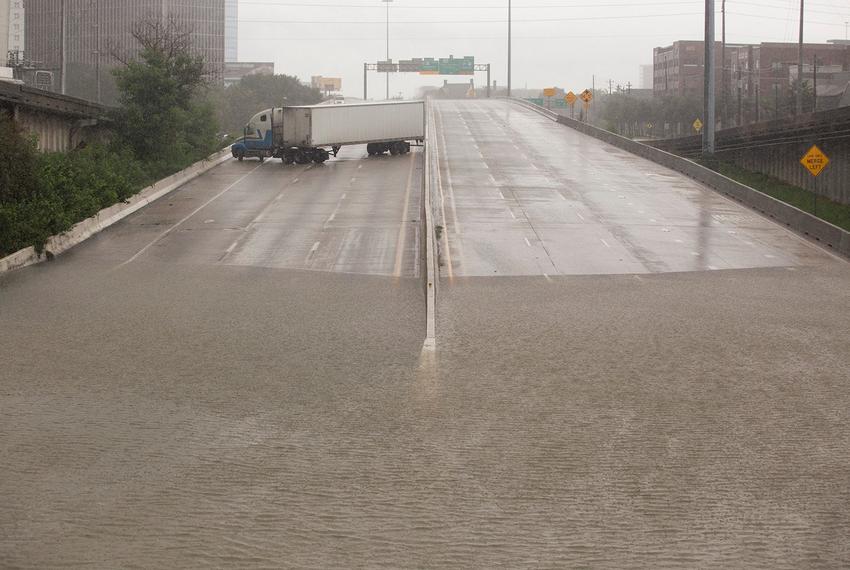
x=827 y=210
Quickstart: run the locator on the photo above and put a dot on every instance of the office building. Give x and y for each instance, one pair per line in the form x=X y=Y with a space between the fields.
x=98 y=34
x=231 y=31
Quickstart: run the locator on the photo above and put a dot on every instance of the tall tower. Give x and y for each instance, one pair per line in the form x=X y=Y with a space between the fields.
x=4 y=31
x=94 y=31
x=231 y=31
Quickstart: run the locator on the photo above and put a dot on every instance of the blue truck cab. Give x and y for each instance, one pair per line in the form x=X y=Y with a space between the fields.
x=258 y=138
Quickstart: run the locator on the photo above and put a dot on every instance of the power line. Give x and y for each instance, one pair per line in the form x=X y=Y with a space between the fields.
x=447 y=22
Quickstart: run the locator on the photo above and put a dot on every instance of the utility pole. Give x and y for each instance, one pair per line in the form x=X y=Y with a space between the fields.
x=710 y=75
x=724 y=114
x=815 y=81
x=800 y=62
x=509 y=48
x=64 y=44
x=388 y=2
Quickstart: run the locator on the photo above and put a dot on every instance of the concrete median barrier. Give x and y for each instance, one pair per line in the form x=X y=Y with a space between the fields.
x=107 y=217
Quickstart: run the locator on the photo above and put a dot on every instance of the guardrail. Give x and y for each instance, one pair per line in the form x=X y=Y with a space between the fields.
x=797 y=220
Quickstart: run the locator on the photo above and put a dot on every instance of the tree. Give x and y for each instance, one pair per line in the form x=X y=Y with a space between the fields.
x=238 y=103
x=165 y=116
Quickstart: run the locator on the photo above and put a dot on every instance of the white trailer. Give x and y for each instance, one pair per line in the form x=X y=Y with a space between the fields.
x=306 y=134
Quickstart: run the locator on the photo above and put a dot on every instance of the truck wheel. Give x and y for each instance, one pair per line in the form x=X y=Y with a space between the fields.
x=262 y=159
x=320 y=156
x=370 y=148
x=302 y=157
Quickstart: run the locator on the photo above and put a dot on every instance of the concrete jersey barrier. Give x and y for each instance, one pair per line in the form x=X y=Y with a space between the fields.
x=801 y=222
x=80 y=232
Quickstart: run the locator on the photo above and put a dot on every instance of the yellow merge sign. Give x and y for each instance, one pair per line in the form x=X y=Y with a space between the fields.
x=549 y=92
x=815 y=160
x=698 y=125
x=570 y=98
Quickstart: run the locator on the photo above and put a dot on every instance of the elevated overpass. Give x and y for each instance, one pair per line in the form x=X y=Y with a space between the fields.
x=59 y=122
x=630 y=370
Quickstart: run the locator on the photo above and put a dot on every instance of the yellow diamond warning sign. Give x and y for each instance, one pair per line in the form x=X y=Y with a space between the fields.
x=570 y=98
x=815 y=160
x=586 y=96
x=698 y=125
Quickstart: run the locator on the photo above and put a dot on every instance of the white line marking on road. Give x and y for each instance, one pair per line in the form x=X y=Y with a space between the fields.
x=605 y=243
x=579 y=215
x=402 y=229
x=512 y=214
x=502 y=196
x=549 y=279
x=231 y=248
x=315 y=247
x=344 y=194
x=182 y=221
x=528 y=243
x=492 y=178
x=353 y=180
x=359 y=166
x=562 y=197
x=295 y=181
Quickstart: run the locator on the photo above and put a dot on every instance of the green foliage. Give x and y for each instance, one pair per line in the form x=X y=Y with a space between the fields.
x=238 y=103
x=166 y=123
x=55 y=191
x=166 y=118
x=620 y=112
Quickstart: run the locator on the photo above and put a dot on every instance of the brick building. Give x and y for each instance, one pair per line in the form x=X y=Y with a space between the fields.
x=96 y=30
x=756 y=81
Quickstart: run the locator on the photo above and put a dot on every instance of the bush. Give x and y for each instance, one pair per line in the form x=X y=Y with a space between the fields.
x=46 y=194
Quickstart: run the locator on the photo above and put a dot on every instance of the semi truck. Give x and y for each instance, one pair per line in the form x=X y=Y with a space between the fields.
x=308 y=134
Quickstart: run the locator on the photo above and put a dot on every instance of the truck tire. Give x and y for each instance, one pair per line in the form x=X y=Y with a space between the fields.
x=302 y=157
x=320 y=156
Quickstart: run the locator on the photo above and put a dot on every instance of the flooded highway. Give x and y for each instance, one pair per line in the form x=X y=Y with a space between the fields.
x=202 y=385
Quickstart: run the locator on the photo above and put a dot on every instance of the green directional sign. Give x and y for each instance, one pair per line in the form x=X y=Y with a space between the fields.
x=462 y=66
x=430 y=66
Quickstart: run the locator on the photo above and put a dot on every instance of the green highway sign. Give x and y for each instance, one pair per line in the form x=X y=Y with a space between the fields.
x=462 y=66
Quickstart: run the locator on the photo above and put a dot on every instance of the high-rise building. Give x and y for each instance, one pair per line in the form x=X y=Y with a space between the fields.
x=4 y=31
x=11 y=28
x=231 y=31
x=97 y=34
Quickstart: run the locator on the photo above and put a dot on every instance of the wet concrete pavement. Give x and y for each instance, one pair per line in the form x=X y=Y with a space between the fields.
x=200 y=387
x=523 y=195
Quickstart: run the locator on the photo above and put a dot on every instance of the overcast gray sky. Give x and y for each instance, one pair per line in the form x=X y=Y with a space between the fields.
x=556 y=42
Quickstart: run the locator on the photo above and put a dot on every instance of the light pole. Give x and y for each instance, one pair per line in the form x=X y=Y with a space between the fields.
x=710 y=124
x=509 y=48
x=800 y=63
x=388 y=2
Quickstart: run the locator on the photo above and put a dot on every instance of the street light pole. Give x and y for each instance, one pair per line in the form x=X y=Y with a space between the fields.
x=800 y=63
x=509 y=48
x=388 y=2
x=710 y=123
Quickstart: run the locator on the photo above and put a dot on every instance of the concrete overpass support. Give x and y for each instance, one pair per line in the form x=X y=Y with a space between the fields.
x=60 y=123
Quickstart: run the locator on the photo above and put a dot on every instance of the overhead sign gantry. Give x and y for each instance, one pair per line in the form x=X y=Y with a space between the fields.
x=426 y=66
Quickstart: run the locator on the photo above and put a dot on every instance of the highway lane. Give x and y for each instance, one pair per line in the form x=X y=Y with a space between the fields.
x=350 y=215
x=522 y=195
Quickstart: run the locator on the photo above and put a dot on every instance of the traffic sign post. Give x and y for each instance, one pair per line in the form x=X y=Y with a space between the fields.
x=549 y=92
x=587 y=97
x=571 y=99
x=698 y=125
x=815 y=161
